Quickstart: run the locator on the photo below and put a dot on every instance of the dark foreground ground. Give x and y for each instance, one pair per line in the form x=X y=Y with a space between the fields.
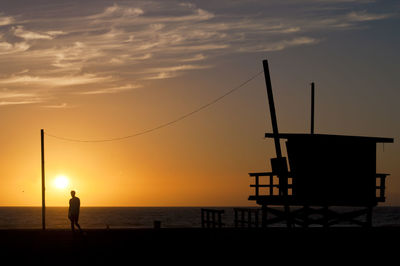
x=316 y=246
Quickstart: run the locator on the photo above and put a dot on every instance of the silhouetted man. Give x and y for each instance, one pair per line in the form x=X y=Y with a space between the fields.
x=73 y=212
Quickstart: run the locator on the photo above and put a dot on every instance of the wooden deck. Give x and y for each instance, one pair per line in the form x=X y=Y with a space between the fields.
x=267 y=193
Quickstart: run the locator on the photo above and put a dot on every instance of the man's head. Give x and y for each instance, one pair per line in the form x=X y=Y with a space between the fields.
x=73 y=193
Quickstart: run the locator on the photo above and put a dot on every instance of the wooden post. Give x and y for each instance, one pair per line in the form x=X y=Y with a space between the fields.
x=43 y=182
x=282 y=176
x=256 y=219
x=272 y=109
x=312 y=107
x=271 y=185
x=213 y=219
x=257 y=185
x=236 y=219
x=369 y=217
x=202 y=219
x=249 y=218
x=325 y=212
x=264 y=213
x=306 y=214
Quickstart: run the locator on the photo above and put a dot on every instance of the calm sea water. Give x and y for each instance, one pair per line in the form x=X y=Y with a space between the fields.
x=138 y=217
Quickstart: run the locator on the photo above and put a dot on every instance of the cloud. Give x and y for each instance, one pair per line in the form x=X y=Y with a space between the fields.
x=5 y=94
x=108 y=50
x=161 y=75
x=9 y=97
x=281 y=45
x=74 y=56
x=4 y=103
x=362 y=16
x=20 y=32
x=54 y=81
x=55 y=33
x=196 y=57
x=57 y=106
x=115 y=12
x=109 y=90
x=6 y=20
x=118 y=10
x=171 y=71
x=12 y=48
x=178 y=68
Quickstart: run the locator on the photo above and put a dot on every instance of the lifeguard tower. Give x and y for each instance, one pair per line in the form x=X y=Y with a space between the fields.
x=321 y=172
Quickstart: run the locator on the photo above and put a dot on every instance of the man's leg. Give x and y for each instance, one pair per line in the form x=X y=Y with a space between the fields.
x=72 y=225
x=79 y=227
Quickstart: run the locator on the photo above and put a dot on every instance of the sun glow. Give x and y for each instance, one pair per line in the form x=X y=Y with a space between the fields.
x=61 y=181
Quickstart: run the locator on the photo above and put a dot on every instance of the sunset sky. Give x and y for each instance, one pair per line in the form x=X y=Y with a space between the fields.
x=96 y=69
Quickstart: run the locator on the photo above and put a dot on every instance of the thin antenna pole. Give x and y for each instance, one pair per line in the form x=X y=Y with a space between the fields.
x=312 y=107
x=43 y=182
x=272 y=109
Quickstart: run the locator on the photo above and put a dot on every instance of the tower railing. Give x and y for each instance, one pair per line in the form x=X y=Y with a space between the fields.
x=271 y=184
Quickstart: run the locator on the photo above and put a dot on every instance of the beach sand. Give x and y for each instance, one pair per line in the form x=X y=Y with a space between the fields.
x=122 y=246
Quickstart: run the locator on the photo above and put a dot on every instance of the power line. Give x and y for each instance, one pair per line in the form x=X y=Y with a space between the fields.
x=167 y=123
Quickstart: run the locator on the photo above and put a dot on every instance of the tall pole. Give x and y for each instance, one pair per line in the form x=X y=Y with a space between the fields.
x=312 y=107
x=43 y=182
x=281 y=161
x=272 y=109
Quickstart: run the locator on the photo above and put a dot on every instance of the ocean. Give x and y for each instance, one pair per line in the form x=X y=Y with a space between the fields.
x=139 y=217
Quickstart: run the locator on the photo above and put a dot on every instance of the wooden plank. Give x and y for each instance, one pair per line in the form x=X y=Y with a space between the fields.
x=304 y=135
x=289 y=186
x=272 y=109
x=261 y=174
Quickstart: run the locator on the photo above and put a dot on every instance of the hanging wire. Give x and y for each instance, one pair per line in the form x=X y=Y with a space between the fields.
x=164 y=124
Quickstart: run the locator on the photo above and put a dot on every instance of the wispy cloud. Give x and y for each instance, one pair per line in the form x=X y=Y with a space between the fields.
x=109 y=90
x=4 y=103
x=12 y=95
x=197 y=57
x=57 y=106
x=125 y=43
x=19 y=31
x=281 y=45
x=6 y=20
x=160 y=75
x=116 y=11
x=55 y=81
x=9 y=97
x=362 y=16
x=171 y=71
x=7 y=48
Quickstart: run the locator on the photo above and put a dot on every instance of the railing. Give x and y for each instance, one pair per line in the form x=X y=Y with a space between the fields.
x=246 y=217
x=211 y=218
x=380 y=188
x=270 y=185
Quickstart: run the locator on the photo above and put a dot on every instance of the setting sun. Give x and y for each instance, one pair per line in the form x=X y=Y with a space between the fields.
x=61 y=181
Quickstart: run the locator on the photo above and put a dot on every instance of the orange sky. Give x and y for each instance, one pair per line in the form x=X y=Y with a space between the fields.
x=98 y=71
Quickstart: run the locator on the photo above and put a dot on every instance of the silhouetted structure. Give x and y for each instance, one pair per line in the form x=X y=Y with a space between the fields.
x=325 y=171
x=211 y=218
x=247 y=217
x=43 y=181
